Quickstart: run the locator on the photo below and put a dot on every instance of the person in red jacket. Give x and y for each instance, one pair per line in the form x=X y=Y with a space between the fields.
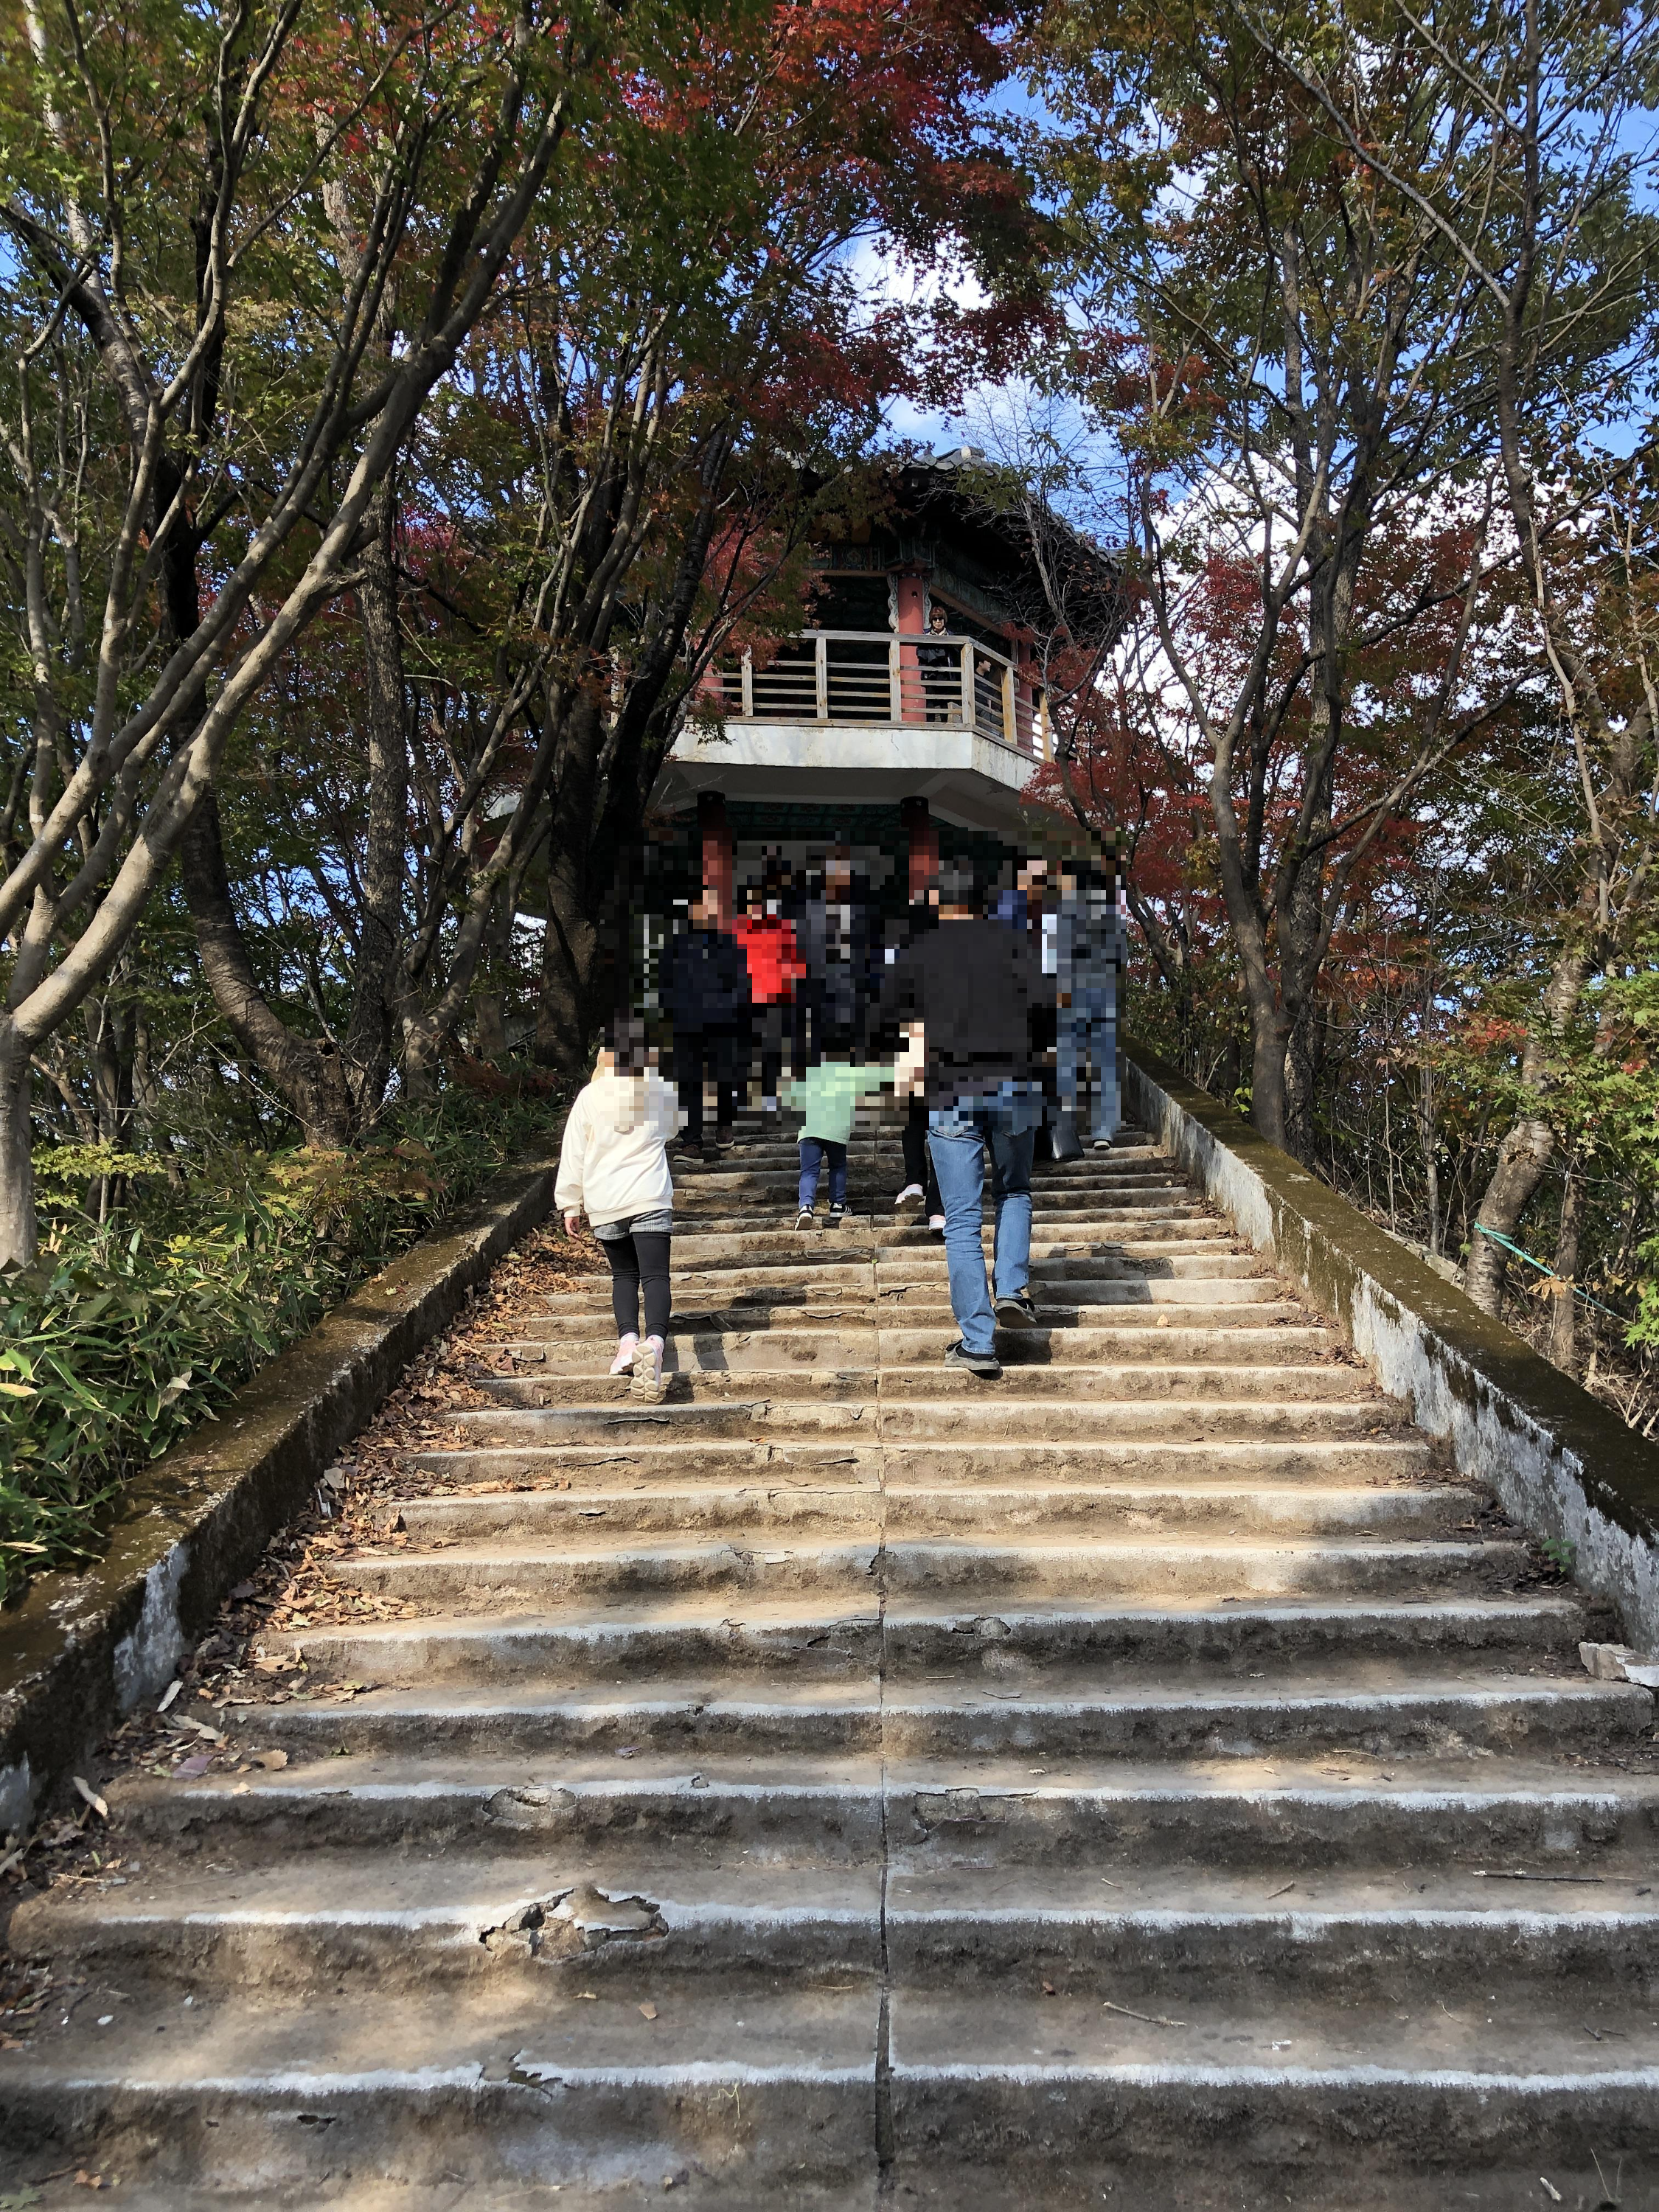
x=775 y=968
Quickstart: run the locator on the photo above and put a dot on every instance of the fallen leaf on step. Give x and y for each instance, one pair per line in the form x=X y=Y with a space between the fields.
x=592 y=1995
x=89 y=1796
x=1550 y=2189
x=273 y=1759
x=648 y=2011
x=1048 y=1989
x=169 y=1694
x=198 y=1763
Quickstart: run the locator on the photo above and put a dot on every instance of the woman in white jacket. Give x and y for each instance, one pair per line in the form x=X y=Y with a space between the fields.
x=613 y=1166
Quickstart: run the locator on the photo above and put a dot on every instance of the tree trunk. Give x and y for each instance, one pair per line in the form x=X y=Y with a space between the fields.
x=368 y=1031
x=1304 y=1056
x=568 y=959
x=310 y=1080
x=1425 y=1130
x=564 y=1010
x=1563 y=1319
x=1268 y=1076
x=19 y=1235
x=1522 y=1157
x=489 y=1039
x=1525 y=1152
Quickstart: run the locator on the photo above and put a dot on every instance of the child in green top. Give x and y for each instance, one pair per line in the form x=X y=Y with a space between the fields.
x=828 y=1096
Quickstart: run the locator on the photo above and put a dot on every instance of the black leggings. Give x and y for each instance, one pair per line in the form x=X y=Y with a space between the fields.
x=635 y=1260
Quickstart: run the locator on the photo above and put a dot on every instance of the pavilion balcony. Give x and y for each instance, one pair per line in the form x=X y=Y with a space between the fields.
x=890 y=681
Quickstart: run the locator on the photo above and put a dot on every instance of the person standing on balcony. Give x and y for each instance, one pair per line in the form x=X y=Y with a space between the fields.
x=773 y=957
x=965 y=995
x=705 y=994
x=941 y=670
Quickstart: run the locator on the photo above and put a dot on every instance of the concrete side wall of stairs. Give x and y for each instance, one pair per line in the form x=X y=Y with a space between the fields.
x=1564 y=1467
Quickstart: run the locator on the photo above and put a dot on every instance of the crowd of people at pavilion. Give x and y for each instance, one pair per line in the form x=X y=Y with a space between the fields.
x=990 y=1013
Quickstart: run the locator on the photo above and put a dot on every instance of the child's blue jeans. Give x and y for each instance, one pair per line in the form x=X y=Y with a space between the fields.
x=814 y=1149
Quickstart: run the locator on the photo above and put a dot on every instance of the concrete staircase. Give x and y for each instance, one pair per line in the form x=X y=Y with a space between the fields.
x=1147 y=1779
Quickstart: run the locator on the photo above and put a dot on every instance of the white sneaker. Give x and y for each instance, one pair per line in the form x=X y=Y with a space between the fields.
x=936 y=1221
x=623 y=1362
x=649 y=1383
x=911 y=1190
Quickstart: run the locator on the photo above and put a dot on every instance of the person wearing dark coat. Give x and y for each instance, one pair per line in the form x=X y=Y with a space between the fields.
x=839 y=930
x=966 y=996
x=705 y=995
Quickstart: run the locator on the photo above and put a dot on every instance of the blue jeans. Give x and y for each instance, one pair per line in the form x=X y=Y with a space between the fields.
x=959 y=1141
x=1088 y=1028
x=834 y=1157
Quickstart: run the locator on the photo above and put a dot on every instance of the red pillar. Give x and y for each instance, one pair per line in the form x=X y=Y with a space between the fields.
x=912 y=593
x=718 y=865
x=924 y=847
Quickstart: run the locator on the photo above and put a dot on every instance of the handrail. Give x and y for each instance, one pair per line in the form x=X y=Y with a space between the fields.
x=891 y=679
x=909 y=637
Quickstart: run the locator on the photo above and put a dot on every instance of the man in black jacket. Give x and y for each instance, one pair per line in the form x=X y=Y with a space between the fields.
x=965 y=995
x=705 y=994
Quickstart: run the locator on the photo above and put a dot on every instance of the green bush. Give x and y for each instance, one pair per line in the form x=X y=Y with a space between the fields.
x=122 y=1338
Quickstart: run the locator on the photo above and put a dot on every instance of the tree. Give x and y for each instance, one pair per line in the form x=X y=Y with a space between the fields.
x=1293 y=363
x=196 y=428
x=1540 y=195
x=628 y=460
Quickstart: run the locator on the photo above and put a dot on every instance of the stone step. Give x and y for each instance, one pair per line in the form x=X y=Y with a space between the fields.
x=263 y=2095
x=481 y=1924
x=823 y=1506
x=909 y=1634
x=1521 y=1818
x=525 y=1406
x=466 y=1923
x=883 y=1147
x=1396 y=1712
x=1136 y=1337
x=1233 y=2082
x=763 y=1465
x=708 y=1291
x=911 y=1232
x=326 y=2093
x=900 y=1318
x=776 y=1561
x=539 y=1381
x=697 y=1257
x=698 y=1260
